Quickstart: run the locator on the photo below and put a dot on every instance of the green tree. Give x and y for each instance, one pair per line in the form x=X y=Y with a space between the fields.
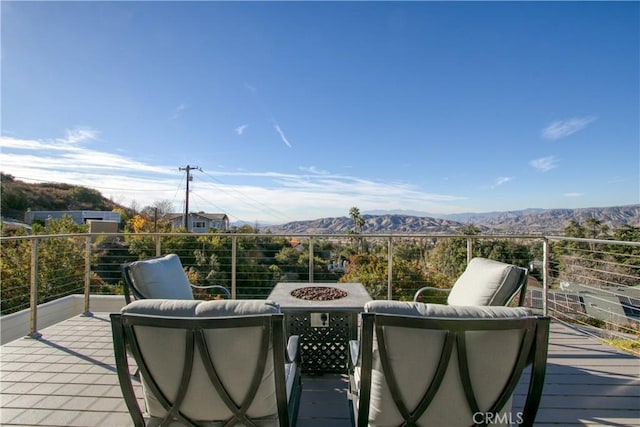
x=15 y=262
x=253 y=276
x=358 y=224
x=596 y=229
x=626 y=257
x=358 y=220
x=449 y=256
x=61 y=265
x=371 y=269
x=87 y=196
x=156 y=215
x=574 y=258
x=13 y=199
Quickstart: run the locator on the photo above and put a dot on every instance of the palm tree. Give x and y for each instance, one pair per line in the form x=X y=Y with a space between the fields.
x=358 y=221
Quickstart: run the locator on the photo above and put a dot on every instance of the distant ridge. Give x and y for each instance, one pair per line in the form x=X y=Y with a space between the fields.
x=557 y=219
x=528 y=221
x=373 y=224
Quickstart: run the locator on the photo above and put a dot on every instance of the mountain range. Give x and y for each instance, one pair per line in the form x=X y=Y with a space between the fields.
x=529 y=221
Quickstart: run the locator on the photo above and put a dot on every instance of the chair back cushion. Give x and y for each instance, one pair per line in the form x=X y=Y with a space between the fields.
x=161 y=278
x=486 y=282
x=235 y=352
x=419 y=309
x=413 y=353
x=198 y=308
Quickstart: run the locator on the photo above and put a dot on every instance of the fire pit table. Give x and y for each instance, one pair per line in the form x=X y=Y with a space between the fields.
x=325 y=316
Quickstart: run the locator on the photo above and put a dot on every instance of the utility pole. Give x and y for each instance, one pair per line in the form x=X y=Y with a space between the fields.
x=188 y=169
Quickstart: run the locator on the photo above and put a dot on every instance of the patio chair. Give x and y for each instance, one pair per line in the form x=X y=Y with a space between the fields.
x=210 y=363
x=437 y=365
x=160 y=278
x=485 y=282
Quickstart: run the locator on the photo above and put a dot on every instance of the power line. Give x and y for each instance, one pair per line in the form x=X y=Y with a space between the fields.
x=226 y=211
x=249 y=200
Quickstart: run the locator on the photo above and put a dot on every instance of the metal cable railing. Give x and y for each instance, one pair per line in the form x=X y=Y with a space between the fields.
x=595 y=285
x=591 y=283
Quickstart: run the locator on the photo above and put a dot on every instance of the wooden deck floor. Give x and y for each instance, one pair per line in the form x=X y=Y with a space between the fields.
x=588 y=383
x=67 y=378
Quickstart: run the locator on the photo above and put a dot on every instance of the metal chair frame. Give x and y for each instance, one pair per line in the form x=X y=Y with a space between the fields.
x=533 y=351
x=125 y=340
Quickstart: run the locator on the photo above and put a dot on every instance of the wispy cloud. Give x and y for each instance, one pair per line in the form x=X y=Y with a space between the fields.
x=81 y=134
x=563 y=128
x=240 y=129
x=572 y=195
x=544 y=164
x=22 y=144
x=178 y=111
x=313 y=170
x=247 y=195
x=71 y=142
x=58 y=154
x=502 y=180
x=321 y=193
x=616 y=180
x=282 y=136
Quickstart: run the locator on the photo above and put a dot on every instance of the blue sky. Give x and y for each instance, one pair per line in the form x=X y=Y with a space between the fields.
x=301 y=110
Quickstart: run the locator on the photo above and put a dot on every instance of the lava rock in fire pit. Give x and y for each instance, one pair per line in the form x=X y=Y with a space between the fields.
x=318 y=293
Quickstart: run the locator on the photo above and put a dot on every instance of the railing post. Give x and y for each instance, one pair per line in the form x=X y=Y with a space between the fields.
x=87 y=276
x=310 y=259
x=234 y=245
x=33 y=296
x=469 y=249
x=545 y=276
x=390 y=269
x=158 y=245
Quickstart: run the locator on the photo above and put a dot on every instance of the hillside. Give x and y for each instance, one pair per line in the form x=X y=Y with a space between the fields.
x=516 y=222
x=374 y=224
x=550 y=220
x=18 y=196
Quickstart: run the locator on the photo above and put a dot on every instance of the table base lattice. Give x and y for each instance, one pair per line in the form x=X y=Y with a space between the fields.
x=323 y=349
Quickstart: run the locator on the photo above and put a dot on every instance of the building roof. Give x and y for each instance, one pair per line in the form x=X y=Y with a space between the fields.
x=211 y=216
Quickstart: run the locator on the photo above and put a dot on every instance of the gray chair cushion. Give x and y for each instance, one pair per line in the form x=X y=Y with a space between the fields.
x=197 y=308
x=419 y=309
x=485 y=282
x=161 y=278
